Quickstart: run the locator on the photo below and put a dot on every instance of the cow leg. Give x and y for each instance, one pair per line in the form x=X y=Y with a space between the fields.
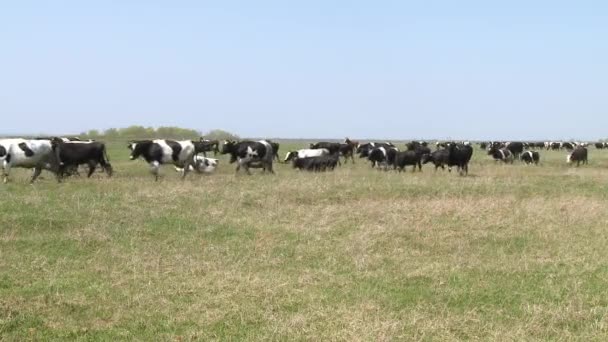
x=92 y=167
x=270 y=168
x=154 y=168
x=37 y=171
x=5 y=171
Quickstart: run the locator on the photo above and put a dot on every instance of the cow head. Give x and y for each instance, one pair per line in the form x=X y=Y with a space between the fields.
x=290 y=156
x=228 y=147
x=138 y=148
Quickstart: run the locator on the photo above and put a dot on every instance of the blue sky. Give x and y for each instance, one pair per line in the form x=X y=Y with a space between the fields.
x=303 y=69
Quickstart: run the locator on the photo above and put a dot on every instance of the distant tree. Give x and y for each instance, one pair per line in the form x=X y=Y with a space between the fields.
x=218 y=134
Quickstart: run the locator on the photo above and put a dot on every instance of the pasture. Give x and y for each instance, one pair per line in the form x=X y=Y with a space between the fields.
x=511 y=252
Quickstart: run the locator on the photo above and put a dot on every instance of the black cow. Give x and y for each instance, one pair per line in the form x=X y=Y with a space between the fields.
x=459 y=155
x=204 y=145
x=600 y=145
x=439 y=158
x=70 y=155
x=568 y=146
x=579 y=155
x=530 y=157
x=330 y=146
x=250 y=154
x=405 y=158
x=516 y=148
x=321 y=163
x=161 y=151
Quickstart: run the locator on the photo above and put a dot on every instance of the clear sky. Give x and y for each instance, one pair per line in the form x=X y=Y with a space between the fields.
x=302 y=69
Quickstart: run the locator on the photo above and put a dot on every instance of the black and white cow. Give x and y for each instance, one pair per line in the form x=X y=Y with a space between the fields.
x=501 y=154
x=578 y=155
x=250 y=154
x=600 y=145
x=364 y=149
x=530 y=157
x=162 y=151
x=382 y=156
x=30 y=154
x=202 y=164
x=305 y=153
x=74 y=153
x=568 y=145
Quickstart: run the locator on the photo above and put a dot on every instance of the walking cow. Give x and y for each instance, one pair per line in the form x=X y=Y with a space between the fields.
x=162 y=151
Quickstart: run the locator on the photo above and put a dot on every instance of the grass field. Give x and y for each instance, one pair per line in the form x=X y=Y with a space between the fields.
x=507 y=253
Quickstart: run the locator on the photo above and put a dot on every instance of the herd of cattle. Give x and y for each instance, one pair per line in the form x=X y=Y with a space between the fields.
x=64 y=156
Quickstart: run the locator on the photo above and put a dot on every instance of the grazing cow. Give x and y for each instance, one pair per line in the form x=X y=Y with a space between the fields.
x=502 y=154
x=29 y=154
x=305 y=153
x=402 y=159
x=70 y=155
x=459 y=155
x=318 y=164
x=248 y=154
x=161 y=151
x=578 y=155
x=530 y=157
x=439 y=158
x=600 y=145
x=483 y=145
x=330 y=146
x=202 y=165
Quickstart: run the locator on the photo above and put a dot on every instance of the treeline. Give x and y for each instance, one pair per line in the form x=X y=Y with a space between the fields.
x=141 y=132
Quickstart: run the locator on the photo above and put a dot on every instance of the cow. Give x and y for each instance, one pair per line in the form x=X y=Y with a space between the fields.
x=459 y=155
x=363 y=150
x=250 y=154
x=347 y=149
x=162 y=151
x=70 y=155
x=402 y=159
x=600 y=145
x=530 y=157
x=320 y=163
x=330 y=146
x=515 y=147
x=578 y=155
x=439 y=158
x=205 y=145
x=305 y=153
x=30 y=154
x=483 y=145
x=567 y=146
x=275 y=149
x=202 y=164
x=502 y=154
x=382 y=156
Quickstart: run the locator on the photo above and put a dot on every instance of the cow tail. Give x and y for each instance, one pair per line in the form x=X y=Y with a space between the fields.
x=105 y=154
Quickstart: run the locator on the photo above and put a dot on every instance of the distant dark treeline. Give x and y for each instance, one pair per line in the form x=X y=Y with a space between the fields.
x=139 y=132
